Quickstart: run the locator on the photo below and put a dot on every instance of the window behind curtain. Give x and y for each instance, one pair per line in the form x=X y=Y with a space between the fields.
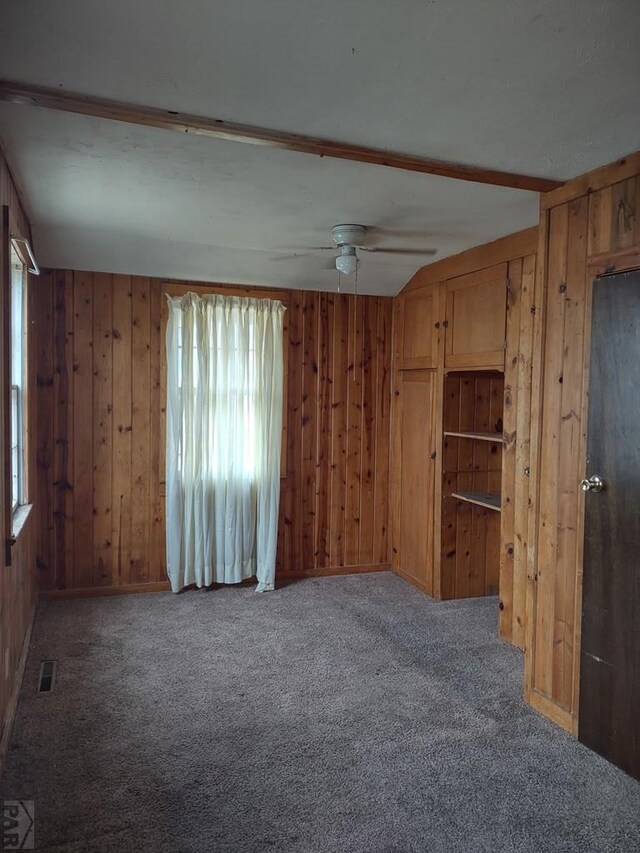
x=18 y=365
x=236 y=389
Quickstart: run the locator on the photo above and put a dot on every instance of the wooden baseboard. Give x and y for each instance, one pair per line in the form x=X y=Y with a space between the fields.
x=100 y=591
x=12 y=707
x=333 y=571
x=164 y=586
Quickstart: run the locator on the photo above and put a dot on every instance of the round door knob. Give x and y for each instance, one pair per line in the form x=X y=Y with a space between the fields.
x=593 y=484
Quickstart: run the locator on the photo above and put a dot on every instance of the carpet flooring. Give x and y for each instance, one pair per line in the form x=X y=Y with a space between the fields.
x=344 y=714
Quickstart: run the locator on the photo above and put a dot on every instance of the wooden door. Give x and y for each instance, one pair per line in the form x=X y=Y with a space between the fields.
x=609 y=719
x=417 y=480
x=418 y=335
x=476 y=311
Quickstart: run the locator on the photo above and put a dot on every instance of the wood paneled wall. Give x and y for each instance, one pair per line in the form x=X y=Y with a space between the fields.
x=590 y=225
x=17 y=581
x=101 y=398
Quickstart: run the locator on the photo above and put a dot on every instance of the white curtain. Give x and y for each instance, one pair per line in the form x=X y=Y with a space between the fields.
x=224 y=431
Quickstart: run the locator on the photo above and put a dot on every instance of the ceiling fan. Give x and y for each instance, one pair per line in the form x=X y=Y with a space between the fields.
x=349 y=239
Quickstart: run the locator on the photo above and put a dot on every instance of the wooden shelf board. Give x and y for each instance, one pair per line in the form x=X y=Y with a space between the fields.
x=480 y=436
x=483 y=499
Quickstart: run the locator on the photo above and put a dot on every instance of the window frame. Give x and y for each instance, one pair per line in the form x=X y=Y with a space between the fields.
x=15 y=517
x=20 y=497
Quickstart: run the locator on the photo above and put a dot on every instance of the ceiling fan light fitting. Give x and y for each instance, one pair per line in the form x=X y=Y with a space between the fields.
x=347 y=264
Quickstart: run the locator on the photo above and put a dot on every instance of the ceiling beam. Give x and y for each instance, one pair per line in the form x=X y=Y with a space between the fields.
x=55 y=99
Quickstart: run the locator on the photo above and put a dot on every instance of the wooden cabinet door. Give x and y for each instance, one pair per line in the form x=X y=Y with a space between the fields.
x=418 y=337
x=476 y=313
x=417 y=481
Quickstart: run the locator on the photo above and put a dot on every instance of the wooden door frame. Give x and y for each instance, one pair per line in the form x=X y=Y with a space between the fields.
x=597 y=266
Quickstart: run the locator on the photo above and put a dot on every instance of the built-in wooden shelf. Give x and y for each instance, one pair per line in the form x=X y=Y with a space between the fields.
x=479 y=436
x=484 y=499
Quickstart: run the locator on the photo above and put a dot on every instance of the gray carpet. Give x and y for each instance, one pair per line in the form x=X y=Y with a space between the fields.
x=339 y=714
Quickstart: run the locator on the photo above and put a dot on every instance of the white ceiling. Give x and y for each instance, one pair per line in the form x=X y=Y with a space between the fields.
x=544 y=88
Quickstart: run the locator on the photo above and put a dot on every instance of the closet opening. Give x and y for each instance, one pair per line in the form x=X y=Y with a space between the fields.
x=472 y=472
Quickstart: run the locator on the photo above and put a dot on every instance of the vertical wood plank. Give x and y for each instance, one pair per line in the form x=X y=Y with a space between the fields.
x=339 y=400
x=323 y=449
x=121 y=481
x=156 y=559
x=63 y=376
x=47 y=574
x=354 y=432
x=140 y=427
x=368 y=431
x=82 y=570
x=495 y=450
x=539 y=312
x=383 y=427
x=102 y=427
x=439 y=511
x=507 y=488
x=65 y=572
x=293 y=494
x=480 y=483
x=569 y=469
x=309 y=426
x=522 y=463
x=478 y=519
x=451 y=421
x=465 y=484
x=396 y=436
x=492 y=553
x=550 y=452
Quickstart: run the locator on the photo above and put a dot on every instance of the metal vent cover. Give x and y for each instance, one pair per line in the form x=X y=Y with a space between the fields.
x=47 y=676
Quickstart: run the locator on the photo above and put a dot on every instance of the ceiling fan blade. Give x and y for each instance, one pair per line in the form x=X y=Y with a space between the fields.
x=303 y=253
x=396 y=250
x=296 y=251
x=399 y=232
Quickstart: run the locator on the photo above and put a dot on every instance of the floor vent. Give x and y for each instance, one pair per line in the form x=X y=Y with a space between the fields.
x=47 y=676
